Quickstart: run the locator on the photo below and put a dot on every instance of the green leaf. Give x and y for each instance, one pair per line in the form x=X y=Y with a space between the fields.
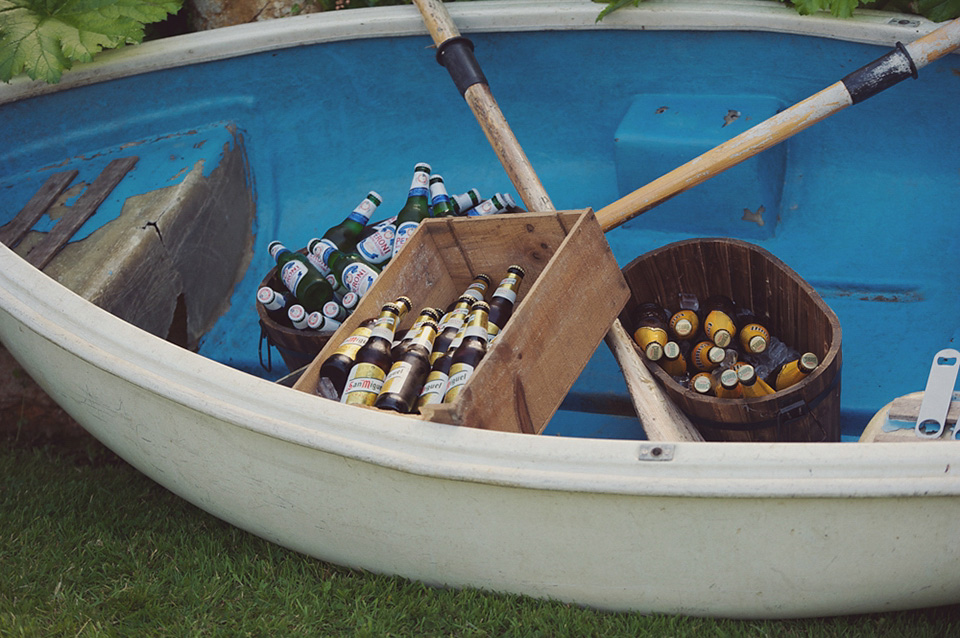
x=614 y=5
x=939 y=10
x=45 y=37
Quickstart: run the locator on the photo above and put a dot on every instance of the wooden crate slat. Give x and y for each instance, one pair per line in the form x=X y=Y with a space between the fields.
x=85 y=206
x=13 y=232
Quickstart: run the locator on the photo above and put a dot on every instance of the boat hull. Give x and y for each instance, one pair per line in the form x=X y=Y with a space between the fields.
x=719 y=529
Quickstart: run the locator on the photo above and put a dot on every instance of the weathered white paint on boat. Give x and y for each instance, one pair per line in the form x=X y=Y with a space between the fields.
x=759 y=530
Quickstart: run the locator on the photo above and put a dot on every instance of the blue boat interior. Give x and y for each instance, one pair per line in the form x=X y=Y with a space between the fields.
x=861 y=205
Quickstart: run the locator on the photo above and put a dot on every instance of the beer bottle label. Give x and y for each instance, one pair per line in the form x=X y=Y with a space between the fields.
x=507 y=293
x=359 y=277
x=493 y=330
x=404 y=232
x=363 y=385
x=432 y=391
x=460 y=373
x=378 y=247
x=292 y=273
x=352 y=344
x=393 y=382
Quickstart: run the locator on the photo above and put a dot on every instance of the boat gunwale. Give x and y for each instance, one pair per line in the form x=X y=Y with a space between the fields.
x=867 y=26
x=708 y=470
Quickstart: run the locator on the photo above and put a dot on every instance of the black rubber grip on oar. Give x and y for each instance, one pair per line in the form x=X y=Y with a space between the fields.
x=456 y=54
x=880 y=74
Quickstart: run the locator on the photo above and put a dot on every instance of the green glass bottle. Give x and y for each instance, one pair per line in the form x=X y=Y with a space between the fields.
x=300 y=277
x=493 y=206
x=344 y=235
x=465 y=201
x=440 y=205
x=349 y=269
x=415 y=210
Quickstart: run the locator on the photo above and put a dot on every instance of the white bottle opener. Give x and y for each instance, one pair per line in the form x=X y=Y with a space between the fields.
x=936 y=397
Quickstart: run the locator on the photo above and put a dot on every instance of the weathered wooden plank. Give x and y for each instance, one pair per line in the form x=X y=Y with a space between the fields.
x=13 y=232
x=85 y=206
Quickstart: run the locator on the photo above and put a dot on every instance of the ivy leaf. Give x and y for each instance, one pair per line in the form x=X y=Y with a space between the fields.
x=839 y=8
x=613 y=5
x=45 y=37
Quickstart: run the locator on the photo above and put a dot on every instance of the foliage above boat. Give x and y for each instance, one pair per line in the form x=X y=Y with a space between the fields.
x=43 y=39
x=936 y=10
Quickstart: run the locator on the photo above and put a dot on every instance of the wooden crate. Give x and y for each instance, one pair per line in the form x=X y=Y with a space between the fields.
x=572 y=292
x=790 y=308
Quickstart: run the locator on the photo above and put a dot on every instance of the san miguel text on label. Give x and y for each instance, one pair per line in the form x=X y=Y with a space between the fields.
x=374 y=359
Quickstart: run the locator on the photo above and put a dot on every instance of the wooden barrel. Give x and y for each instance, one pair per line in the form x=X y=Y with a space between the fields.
x=790 y=308
x=297 y=347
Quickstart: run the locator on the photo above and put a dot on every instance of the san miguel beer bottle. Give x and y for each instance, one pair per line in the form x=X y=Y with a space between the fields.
x=415 y=210
x=373 y=360
x=402 y=385
x=503 y=300
x=650 y=331
x=450 y=326
x=427 y=314
x=470 y=351
x=718 y=312
x=478 y=287
x=793 y=372
x=300 y=277
x=344 y=235
x=337 y=366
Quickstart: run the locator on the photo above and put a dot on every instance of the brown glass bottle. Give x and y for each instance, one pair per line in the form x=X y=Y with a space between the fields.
x=374 y=359
x=436 y=382
x=337 y=366
x=470 y=351
x=478 y=288
x=450 y=325
x=403 y=382
x=427 y=314
x=503 y=300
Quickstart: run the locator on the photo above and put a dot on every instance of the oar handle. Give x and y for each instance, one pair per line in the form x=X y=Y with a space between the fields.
x=456 y=54
x=877 y=76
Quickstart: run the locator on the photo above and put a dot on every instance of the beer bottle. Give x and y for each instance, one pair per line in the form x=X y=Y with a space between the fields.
x=705 y=356
x=440 y=205
x=751 y=384
x=427 y=314
x=436 y=381
x=344 y=235
x=373 y=360
x=793 y=372
x=728 y=385
x=350 y=270
x=376 y=245
x=493 y=206
x=718 y=312
x=275 y=303
x=450 y=325
x=478 y=287
x=349 y=301
x=415 y=210
x=300 y=277
x=673 y=361
x=503 y=300
x=404 y=381
x=650 y=332
x=335 y=311
x=470 y=351
x=753 y=337
x=316 y=321
x=465 y=201
x=337 y=366
x=297 y=316
x=702 y=383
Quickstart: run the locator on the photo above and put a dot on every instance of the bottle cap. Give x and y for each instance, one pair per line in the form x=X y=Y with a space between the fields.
x=757 y=344
x=715 y=354
x=654 y=351
x=350 y=300
x=701 y=384
x=747 y=374
x=315 y=320
x=722 y=338
x=265 y=294
x=671 y=350
x=683 y=327
x=517 y=270
x=729 y=378
x=808 y=362
x=405 y=301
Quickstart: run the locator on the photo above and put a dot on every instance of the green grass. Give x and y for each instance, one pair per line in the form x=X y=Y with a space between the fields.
x=90 y=547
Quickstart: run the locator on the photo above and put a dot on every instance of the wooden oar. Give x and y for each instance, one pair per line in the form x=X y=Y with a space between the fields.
x=899 y=64
x=661 y=419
